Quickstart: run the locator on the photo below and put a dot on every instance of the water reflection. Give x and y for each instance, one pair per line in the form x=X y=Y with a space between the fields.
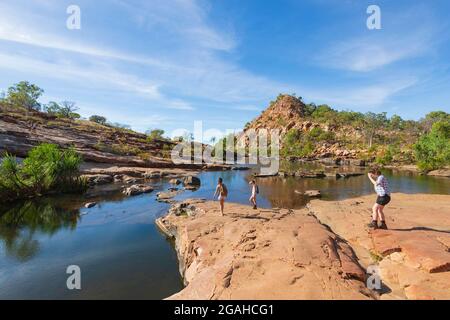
x=19 y=224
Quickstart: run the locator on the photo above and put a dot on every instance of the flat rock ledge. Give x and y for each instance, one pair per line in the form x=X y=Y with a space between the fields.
x=413 y=256
x=260 y=254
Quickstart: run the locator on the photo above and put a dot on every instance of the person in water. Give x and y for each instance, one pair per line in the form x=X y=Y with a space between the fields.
x=222 y=192
x=383 y=198
x=255 y=191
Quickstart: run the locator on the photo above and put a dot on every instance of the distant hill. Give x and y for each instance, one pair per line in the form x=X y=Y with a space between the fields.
x=312 y=131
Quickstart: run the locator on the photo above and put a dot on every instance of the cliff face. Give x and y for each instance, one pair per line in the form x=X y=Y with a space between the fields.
x=19 y=132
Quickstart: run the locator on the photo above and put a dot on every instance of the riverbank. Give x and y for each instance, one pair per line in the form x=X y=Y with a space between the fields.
x=319 y=252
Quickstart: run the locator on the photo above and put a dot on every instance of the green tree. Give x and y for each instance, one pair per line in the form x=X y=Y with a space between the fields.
x=396 y=122
x=24 y=95
x=155 y=134
x=98 y=119
x=433 y=117
x=372 y=123
x=432 y=150
x=65 y=109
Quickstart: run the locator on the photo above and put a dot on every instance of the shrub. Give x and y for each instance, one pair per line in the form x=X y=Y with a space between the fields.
x=98 y=119
x=295 y=144
x=47 y=168
x=156 y=134
x=318 y=134
x=391 y=153
x=432 y=150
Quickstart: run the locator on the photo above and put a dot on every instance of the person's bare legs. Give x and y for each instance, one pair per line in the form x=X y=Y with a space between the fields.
x=375 y=212
x=253 y=201
x=380 y=213
x=222 y=202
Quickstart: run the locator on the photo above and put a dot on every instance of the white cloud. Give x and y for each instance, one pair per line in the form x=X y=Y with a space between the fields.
x=368 y=54
x=362 y=97
x=93 y=75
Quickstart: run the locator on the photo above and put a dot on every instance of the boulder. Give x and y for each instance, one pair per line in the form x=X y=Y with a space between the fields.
x=191 y=181
x=167 y=195
x=98 y=179
x=137 y=189
x=153 y=175
x=90 y=205
x=313 y=193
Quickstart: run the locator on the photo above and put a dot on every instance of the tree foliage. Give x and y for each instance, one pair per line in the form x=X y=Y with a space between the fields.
x=24 y=95
x=47 y=168
x=64 y=109
x=432 y=150
x=98 y=119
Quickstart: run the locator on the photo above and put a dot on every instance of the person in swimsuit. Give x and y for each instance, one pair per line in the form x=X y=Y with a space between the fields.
x=383 y=198
x=222 y=192
x=254 y=193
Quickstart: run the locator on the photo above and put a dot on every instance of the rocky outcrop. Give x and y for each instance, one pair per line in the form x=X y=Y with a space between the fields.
x=260 y=254
x=96 y=143
x=445 y=172
x=288 y=112
x=413 y=256
x=137 y=189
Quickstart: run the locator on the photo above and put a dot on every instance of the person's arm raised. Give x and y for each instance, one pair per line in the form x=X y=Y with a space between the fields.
x=371 y=179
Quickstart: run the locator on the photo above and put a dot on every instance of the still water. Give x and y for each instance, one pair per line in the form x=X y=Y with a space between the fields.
x=121 y=253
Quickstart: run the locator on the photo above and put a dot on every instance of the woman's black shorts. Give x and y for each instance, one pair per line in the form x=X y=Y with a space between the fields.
x=384 y=200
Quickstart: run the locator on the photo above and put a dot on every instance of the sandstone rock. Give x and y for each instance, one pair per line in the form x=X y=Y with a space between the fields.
x=313 y=193
x=137 y=190
x=415 y=259
x=166 y=196
x=153 y=175
x=440 y=173
x=267 y=254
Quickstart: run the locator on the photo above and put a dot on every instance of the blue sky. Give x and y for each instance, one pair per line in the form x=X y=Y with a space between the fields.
x=165 y=64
